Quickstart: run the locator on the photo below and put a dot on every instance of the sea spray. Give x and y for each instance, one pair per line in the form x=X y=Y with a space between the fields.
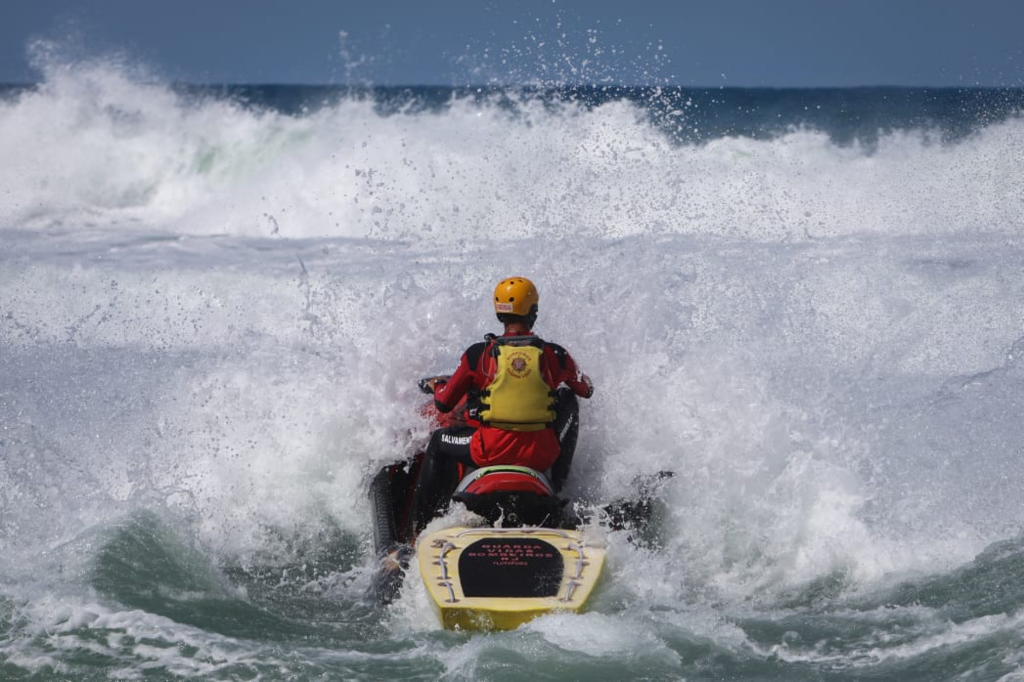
x=214 y=314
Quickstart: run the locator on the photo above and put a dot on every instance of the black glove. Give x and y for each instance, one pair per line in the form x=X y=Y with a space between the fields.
x=428 y=384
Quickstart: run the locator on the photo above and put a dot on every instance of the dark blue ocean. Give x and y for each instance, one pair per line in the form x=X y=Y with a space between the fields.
x=215 y=302
x=685 y=115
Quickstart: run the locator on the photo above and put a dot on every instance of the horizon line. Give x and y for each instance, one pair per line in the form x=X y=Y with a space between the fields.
x=545 y=86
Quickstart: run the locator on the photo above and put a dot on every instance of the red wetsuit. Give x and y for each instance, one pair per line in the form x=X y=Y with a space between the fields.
x=491 y=445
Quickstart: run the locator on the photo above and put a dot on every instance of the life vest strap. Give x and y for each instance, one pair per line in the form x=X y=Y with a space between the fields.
x=520 y=426
x=516 y=340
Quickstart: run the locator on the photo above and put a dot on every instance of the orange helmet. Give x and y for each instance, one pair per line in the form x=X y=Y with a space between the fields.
x=515 y=296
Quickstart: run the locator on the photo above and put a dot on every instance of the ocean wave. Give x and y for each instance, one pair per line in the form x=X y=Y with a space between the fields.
x=94 y=147
x=213 y=312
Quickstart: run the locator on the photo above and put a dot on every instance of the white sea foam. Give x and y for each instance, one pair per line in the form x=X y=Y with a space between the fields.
x=221 y=312
x=93 y=147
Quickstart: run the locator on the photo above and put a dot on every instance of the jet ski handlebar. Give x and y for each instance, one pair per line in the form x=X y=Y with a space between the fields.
x=427 y=384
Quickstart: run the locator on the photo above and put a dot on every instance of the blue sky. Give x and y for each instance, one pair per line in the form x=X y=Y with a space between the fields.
x=778 y=43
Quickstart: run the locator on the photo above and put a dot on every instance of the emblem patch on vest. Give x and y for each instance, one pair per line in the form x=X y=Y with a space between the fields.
x=518 y=365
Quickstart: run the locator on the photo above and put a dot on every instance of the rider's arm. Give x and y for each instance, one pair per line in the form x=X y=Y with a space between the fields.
x=580 y=383
x=566 y=372
x=447 y=395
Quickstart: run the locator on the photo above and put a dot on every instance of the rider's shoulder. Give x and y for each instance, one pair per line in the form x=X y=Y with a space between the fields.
x=474 y=352
x=556 y=348
x=560 y=353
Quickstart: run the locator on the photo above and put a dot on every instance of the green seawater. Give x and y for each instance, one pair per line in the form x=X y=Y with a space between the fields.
x=155 y=608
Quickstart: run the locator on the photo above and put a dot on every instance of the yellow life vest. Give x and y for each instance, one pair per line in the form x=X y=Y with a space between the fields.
x=518 y=398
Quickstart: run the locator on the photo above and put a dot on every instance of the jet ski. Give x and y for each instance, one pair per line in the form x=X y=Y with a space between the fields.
x=530 y=554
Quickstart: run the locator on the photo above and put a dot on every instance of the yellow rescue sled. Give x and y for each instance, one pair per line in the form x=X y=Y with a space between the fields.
x=500 y=578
